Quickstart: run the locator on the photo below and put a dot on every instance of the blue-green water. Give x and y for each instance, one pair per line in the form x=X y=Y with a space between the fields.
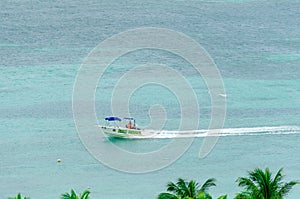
x=255 y=44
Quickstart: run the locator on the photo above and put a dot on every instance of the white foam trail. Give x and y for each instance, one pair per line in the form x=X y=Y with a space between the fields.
x=222 y=95
x=254 y=131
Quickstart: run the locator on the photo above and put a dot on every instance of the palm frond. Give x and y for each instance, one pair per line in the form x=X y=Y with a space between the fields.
x=193 y=188
x=247 y=183
x=171 y=187
x=261 y=185
x=65 y=196
x=203 y=195
x=223 y=197
x=183 y=186
x=243 y=195
x=73 y=194
x=207 y=184
x=167 y=196
x=278 y=177
x=286 y=188
x=85 y=194
x=19 y=196
x=69 y=196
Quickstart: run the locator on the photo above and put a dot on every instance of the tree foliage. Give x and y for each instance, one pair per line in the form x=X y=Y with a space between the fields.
x=189 y=190
x=85 y=195
x=261 y=185
x=19 y=196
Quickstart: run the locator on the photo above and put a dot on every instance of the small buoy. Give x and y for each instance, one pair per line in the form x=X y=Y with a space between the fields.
x=58 y=160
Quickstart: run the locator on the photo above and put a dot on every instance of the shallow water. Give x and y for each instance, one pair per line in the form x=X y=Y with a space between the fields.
x=255 y=45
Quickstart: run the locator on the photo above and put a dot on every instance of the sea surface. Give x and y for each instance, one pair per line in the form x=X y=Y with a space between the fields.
x=254 y=44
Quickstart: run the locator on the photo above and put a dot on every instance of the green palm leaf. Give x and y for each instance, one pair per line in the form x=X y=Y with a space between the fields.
x=187 y=190
x=223 y=197
x=243 y=195
x=182 y=185
x=171 y=187
x=207 y=184
x=19 y=196
x=203 y=195
x=261 y=185
x=167 y=196
x=193 y=188
x=286 y=188
x=73 y=195
x=85 y=194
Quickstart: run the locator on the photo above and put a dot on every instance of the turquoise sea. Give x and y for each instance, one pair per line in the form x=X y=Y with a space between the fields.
x=255 y=45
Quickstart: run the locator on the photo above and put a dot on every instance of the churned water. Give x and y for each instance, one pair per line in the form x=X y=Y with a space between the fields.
x=255 y=45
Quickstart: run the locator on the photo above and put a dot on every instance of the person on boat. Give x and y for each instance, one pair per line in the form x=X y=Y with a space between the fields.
x=129 y=125
x=133 y=127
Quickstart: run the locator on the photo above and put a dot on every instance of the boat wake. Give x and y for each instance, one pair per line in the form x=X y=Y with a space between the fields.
x=254 y=131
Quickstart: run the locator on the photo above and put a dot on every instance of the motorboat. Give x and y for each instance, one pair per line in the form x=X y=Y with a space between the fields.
x=114 y=129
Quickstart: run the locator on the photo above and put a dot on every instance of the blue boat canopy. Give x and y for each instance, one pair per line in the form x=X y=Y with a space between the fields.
x=129 y=118
x=113 y=119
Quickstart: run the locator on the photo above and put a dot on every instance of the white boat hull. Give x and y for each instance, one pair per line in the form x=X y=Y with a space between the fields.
x=119 y=132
